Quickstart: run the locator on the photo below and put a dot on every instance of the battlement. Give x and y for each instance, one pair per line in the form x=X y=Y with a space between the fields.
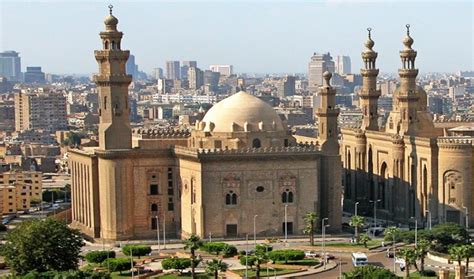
x=455 y=142
x=160 y=133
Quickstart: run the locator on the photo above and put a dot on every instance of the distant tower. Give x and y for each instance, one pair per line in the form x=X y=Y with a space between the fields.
x=407 y=97
x=113 y=81
x=327 y=116
x=369 y=94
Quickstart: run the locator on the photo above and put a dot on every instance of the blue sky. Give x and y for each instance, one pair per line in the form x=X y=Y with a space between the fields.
x=263 y=36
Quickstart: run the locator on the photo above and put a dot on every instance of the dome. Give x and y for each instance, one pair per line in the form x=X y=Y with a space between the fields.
x=111 y=20
x=242 y=112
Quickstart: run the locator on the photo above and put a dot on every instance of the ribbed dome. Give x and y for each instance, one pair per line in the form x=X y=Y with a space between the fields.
x=110 y=20
x=240 y=110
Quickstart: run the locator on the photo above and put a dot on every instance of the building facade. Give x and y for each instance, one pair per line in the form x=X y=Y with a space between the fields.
x=343 y=65
x=238 y=162
x=173 y=70
x=409 y=169
x=18 y=189
x=10 y=65
x=319 y=64
x=34 y=75
x=225 y=70
x=40 y=110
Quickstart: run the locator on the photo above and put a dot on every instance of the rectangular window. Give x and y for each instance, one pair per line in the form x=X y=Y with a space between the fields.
x=170 y=183
x=170 y=173
x=153 y=224
x=170 y=191
x=231 y=230
x=153 y=189
x=170 y=206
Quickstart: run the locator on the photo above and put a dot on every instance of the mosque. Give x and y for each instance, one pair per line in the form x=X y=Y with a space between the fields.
x=237 y=166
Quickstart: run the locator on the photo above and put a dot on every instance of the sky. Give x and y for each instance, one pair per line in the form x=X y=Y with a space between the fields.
x=255 y=36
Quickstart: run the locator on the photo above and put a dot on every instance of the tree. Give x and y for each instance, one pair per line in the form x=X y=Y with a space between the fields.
x=72 y=140
x=356 y=222
x=214 y=266
x=391 y=234
x=469 y=253
x=261 y=256
x=176 y=263
x=119 y=264
x=309 y=220
x=136 y=250
x=409 y=256
x=422 y=248
x=42 y=245
x=99 y=256
x=192 y=244
x=458 y=253
x=369 y=271
x=364 y=238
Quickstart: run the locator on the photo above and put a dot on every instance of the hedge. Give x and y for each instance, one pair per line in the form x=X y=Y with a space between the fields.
x=176 y=263
x=99 y=256
x=286 y=255
x=250 y=260
x=118 y=264
x=136 y=250
x=219 y=247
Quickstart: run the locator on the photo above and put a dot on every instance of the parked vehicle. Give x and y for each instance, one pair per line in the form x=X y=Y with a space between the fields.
x=311 y=254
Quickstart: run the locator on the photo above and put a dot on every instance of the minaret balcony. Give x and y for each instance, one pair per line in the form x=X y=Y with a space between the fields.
x=109 y=79
x=408 y=73
x=369 y=72
x=111 y=54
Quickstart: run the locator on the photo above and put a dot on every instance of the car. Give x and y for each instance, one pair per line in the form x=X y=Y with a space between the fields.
x=328 y=256
x=311 y=254
x=390 y=253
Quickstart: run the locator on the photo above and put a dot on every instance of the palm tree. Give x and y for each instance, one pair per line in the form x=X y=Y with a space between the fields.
x=469 y=253
x=409 y=256
x=422 y=248
x=457 y=253
x=193 y=243
x=214 y=266
x=356 y=222
x=364 y=238
x=309 y=220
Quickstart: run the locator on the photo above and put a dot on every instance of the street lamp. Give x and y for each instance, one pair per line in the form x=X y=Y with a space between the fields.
x=375 y=213
x=429 y=219
x=164 y=230
x=255 y=231
x=286 y=224
x=158 y=232
x=355 y=214
x=416 y=231
x=467 y=216
x=246 y=255
x=323 y=236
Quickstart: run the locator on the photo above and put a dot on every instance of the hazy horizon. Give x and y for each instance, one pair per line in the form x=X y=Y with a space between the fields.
x=263 y=37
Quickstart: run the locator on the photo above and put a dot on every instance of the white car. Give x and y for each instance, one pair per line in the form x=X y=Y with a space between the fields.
x=310 y=254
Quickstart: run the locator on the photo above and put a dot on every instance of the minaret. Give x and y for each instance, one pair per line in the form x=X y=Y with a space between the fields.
x=327 y=116
x=113 y=81
x=407 y=97
x=369 y=94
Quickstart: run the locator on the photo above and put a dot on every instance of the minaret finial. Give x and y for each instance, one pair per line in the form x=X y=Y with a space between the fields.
x=369 y=30
x=110 y=8
x=408 y=29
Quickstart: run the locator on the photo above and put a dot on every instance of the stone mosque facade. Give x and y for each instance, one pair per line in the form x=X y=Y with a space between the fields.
x=409 y=167
x=239 y=162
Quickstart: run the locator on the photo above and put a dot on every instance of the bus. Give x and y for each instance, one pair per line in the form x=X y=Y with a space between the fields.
x=359 y=259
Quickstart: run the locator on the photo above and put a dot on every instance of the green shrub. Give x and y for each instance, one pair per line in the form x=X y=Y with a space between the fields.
x=176 y=263
x=286 y=255
x=99 y=256
x=229 y=251
x=118 y=264
x=136 y=250
x=72 y=274
x=263 y=248
x=369 y=271
x=219 y=248
x=3 y=228
x=249 y=260
x=428 y=273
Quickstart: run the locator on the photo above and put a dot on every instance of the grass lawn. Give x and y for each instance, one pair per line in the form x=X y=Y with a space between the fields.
x=370 y=243
x=307 y=262
x=173 y=276
x=263 y=271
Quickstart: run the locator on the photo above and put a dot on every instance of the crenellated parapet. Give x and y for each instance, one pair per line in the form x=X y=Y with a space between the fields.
x=161 y=133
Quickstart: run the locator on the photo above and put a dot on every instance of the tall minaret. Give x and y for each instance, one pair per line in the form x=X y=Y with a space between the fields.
x=327 y=116
x=407 y=97
x=113 y=81
x=369 y=94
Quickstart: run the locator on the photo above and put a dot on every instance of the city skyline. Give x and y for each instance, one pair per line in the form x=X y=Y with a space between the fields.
x=256 y=40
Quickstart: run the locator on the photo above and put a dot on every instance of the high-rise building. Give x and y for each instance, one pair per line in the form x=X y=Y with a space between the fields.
x=10 y=65
x=319 y=64
x=211 y=80
x=157 y=73
x=195 y=77
x=343 y=65
x=131 y=67
x=18 y=189
x=172 y=70
x=34 y=75
x=40 y=110
x=286 y=87
x=185 y=68
x=225 y=70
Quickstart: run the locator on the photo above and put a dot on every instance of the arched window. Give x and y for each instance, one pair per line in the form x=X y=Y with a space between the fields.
x=256 y=143
x=287 y=196
x=154 y=207
x=106 y=45
x=113 y=44
x=105 y=102
x=231 y=198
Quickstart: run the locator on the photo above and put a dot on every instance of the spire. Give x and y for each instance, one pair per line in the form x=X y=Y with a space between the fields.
x=110 y=8
x=111 y=21
x=368 y=96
